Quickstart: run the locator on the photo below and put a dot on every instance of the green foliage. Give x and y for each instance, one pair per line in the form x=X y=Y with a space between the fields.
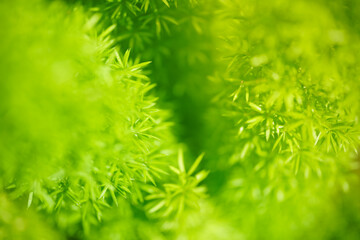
x=78 y=128
x=177 y=41
x=18 y=223
x=268 y=90
x=288 y=99
x=286 y=83
x=176 y=196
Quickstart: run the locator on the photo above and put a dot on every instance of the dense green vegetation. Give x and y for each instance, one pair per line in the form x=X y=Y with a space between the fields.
x=179 y=119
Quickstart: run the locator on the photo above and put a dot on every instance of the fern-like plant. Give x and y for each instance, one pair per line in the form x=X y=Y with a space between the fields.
x=105 y=104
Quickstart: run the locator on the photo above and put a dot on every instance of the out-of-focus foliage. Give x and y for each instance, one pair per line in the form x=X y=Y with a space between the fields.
x=267 y=89
x=18 y=223
x=287 y=74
